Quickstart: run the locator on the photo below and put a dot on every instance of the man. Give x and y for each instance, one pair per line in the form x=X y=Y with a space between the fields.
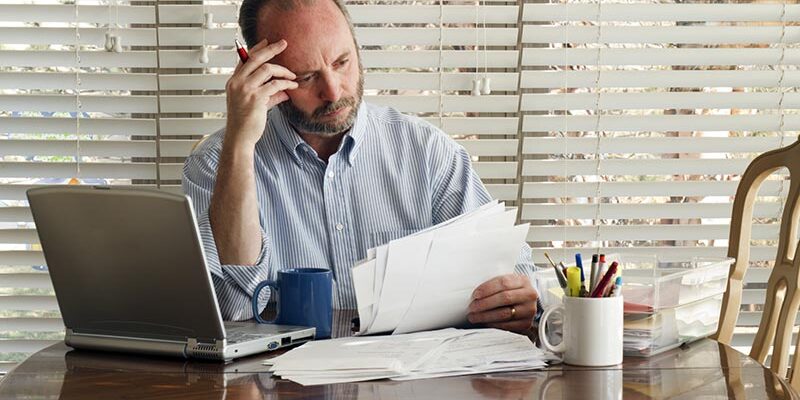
x=317 y=180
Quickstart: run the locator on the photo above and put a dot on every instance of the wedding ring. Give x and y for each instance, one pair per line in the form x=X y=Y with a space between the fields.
x=513 y=312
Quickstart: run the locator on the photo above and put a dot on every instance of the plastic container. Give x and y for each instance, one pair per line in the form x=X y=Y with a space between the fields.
x=645 y=335
x=650 y=285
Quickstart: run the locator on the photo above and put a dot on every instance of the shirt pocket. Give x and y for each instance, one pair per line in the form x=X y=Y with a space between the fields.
x=375 y=239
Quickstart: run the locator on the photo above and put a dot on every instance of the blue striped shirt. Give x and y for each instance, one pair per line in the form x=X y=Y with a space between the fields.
x=392 y=175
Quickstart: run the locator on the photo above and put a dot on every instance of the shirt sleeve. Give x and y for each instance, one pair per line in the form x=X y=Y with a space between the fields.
x=234 y=284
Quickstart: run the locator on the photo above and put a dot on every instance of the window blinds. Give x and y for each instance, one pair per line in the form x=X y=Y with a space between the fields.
x=639 y=118
x=76 y=112
x=71 y=112
x=623 y=125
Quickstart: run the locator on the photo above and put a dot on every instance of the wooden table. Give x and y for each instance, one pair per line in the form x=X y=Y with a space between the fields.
x=704 y=369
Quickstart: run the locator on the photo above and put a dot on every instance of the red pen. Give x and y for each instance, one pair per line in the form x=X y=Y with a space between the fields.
x=601 y=287
x=242 y=51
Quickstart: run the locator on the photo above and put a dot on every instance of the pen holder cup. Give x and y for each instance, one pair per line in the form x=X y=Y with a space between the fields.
x=592 y=330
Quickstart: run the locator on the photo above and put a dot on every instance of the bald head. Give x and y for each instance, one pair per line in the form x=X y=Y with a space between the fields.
x=258 y=18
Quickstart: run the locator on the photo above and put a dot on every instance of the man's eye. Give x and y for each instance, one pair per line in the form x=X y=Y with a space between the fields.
x=342 y=63
x=303 y=79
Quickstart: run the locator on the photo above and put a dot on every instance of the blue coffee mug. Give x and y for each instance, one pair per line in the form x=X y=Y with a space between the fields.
x=305 y=298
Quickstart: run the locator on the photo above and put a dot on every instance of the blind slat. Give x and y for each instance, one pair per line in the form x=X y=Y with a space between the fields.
x=122 y=13
x=32 y=324
x=665 y=79
x=660 y=12
x=69 y=126
x=634 y=166
x=365 y=36
x=705 y=34
x=660 y=123
x=661 y=100
x=562 y=145
x=646 y=232
x=15 y=169
x=369 y=58
x=25 y=280
x=28 y=303
x=88 y=81
x=653 y=56
x=642 y=211
x=405 y=103
x=543 y=190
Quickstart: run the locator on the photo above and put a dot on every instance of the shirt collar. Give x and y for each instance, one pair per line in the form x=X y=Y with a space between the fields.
x=295 y=145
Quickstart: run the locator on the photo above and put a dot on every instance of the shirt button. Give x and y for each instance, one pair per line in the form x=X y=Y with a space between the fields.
x=331 y=174
x=339 y=227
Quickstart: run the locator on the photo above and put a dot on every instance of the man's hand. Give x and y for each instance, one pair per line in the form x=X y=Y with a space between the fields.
x=254 y=88
x=494 y=300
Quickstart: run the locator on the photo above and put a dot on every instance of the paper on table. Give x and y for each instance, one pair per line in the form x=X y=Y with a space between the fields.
x=456 y=266
x=444 y=352
x=390 y=353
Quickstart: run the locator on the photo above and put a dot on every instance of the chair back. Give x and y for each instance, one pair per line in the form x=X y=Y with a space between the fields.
x=783 y=299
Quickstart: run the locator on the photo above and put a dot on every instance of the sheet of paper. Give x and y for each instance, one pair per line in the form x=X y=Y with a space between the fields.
x=404 y=267
x=363 y=279
x=456 y=266
x=381 y=254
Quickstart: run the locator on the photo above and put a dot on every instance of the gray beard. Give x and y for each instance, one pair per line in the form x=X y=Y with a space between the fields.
x=314 y=125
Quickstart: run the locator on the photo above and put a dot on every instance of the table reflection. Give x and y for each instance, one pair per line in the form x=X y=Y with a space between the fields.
x=705 y=369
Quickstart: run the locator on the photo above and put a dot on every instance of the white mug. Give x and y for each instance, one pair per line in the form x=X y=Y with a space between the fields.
x=592 y=334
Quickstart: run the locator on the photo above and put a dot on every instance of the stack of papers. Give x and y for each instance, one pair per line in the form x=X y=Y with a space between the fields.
x=445 y=352
x=425 y=280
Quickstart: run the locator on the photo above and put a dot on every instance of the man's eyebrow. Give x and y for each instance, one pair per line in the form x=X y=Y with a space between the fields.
x=344 y=55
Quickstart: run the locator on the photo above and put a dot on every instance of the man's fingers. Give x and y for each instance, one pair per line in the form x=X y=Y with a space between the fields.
x=524 y=312
x=277 y=85
x=499 y=284
x=504 y=298
x=259 y=56
x=276 y=99
x=269 y=71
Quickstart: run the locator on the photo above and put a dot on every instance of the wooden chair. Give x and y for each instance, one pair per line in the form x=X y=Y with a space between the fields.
x=783 y=299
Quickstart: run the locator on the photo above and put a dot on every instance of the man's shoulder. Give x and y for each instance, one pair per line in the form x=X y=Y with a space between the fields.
x=210 y=146
x=404 y=126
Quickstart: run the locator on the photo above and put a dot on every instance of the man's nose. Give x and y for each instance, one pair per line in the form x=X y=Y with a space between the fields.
x=331 y=89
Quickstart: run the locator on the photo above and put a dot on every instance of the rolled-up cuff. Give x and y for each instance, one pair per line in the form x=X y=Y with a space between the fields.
x=245 y=277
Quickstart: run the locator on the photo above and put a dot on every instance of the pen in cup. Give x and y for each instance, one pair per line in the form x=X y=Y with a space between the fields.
x=601 y=264
x=593 y=273
x=579 y=263
x=600 y=290
x=562 y=280
x=616 y=290
x=574 y=281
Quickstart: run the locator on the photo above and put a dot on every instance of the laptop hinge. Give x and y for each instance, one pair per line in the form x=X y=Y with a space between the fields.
x=124 y=344
x=207 y=349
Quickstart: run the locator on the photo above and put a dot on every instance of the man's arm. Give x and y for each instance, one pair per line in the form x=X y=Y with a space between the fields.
x=252 y=90
x=223 y=185
x=233 y=283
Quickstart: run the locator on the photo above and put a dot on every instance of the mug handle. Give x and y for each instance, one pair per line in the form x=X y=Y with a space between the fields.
x=559 y=348
x=274 y=287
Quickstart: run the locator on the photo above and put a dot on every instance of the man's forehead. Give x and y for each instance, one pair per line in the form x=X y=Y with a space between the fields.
x=313 y=33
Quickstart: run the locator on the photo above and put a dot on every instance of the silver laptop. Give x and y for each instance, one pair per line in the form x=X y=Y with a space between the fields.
x=129 y=273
